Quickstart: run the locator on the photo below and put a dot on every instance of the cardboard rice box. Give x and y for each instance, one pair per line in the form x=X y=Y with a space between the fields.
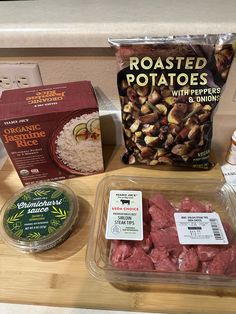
x=52 y=132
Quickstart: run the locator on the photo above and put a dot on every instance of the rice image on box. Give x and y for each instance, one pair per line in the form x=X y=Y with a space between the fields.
x=52 y=132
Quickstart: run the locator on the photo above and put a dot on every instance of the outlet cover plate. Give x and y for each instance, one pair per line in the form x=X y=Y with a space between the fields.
x=19 y=75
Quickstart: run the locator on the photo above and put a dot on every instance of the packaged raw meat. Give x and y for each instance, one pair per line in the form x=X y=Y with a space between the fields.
x=169 y=88
x=187 y=227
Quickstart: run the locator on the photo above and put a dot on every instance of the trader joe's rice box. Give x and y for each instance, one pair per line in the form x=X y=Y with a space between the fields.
x=52 y=132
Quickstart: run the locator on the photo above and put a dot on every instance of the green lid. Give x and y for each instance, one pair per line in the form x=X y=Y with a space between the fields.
x=39 y=217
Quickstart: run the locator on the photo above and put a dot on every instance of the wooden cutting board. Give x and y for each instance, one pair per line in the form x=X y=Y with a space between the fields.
x=59 y=276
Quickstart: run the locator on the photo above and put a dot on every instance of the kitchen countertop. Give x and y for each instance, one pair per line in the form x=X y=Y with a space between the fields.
x=59 y=277
x=78 y=23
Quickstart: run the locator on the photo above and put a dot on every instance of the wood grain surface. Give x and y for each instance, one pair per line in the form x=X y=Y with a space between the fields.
x=59 y=276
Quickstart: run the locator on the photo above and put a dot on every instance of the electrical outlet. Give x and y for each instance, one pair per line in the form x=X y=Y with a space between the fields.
x=19 y=75
x=22 y=81
x=5 y=82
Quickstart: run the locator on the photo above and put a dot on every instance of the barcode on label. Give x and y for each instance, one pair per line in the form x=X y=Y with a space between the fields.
x=216 y=229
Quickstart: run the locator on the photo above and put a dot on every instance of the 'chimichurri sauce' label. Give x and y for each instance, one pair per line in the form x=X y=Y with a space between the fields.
x=37 y=214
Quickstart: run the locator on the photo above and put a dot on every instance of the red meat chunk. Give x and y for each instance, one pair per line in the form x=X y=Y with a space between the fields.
x=161 y=218
x=189 y=205
x=146 y=243
x=228 y=231
x=158 y=254
x=223 y=263
x=162 y=261
x=161 y=202
x=154 y=226
x=188 y=260
x=125 y=256
x=146 y=215
x=204 y=267
x=139 y=260
x=207 y=252
x=120 y=251
x=168 y=239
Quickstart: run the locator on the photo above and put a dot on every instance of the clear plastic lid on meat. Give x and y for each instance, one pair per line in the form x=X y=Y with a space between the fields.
x=189 y=232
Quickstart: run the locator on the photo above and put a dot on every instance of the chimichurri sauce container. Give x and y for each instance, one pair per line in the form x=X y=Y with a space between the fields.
x=39 y=217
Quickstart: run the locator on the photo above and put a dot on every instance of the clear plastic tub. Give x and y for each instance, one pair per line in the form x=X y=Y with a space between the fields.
x=215 y=195
x=39 y=217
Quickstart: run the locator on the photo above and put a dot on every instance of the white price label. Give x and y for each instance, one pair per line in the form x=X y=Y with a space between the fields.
x=125 y=215
x=200 y=228
x=229 y=172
